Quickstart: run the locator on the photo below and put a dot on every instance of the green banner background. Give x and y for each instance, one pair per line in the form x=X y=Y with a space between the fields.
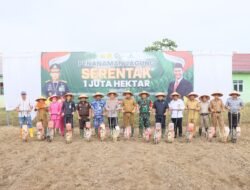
x=161 y=71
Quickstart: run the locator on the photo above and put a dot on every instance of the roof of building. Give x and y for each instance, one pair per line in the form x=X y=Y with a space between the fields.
x=241 y=62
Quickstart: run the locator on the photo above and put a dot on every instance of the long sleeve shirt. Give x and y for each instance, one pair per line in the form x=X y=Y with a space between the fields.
x=68 y=107
x=176 y=107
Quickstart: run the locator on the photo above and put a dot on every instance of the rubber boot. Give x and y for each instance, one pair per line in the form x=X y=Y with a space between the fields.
x=31 y=132
x=132 y=132
x=21 y=133
x=163 y=133
x=81 y=133
x=200 y=131
x=96 y=132
x=140 y=132
x=111 y=132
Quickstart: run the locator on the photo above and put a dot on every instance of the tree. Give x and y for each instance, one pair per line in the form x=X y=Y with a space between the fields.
x=163 y=45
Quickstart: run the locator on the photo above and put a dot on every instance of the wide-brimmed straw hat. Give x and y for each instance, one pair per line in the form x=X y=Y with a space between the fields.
x=234 y=93
x=127 y=92
x=41 y=98
x=217 y=93
x=83 y=96
x=112 y=92
x=98 y=94
x=204 y=95
x=53 y=96
x=175 y=94
x=192 y=94
x=68 y=94
x=160 y=94
x=144 y=92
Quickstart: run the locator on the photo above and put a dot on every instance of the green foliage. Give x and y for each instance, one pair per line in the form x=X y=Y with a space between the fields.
x=163 y=45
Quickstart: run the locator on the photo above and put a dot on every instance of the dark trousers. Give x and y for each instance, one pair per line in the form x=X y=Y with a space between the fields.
x=112 y=122
x=235 y=120
x=177 y=126
x=68 y=119
x=161 y=119
x=82 y=121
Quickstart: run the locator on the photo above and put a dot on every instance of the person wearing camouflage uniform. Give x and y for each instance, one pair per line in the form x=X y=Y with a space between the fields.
x=144 y=112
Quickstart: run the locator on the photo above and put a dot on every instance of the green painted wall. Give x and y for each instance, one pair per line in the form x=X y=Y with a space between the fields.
x=245 y=95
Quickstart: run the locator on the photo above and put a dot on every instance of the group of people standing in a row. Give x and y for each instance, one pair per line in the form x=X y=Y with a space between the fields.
x=61 y=111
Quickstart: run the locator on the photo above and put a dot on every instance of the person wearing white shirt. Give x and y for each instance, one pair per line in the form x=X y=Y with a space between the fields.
x=176 y=107
x=24 y=108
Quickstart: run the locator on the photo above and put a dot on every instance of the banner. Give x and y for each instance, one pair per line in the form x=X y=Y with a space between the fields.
x=86 y=72
x=50 y=72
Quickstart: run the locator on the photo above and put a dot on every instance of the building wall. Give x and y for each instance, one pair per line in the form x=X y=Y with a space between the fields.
x=245 y=94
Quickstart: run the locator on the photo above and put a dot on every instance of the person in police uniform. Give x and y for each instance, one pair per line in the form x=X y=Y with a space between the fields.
x=55 y=86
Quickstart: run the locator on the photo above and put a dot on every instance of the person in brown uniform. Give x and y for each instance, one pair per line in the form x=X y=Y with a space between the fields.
x=128 y=109
x=217 y=109
x=42 y=110
x=193 y=107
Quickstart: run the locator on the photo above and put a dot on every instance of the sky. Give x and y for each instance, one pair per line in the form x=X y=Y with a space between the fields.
x=123 y=25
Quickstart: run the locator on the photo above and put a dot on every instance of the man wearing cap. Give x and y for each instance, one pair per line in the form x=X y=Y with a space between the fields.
x=160 y=108
x=128 y=109
x=145 y=105
x=176 y=107
x=204 y=112
x=84 y=112
x=24 y=108
x=193 y=107
x=234 y=104
x=98 y=106
x=180 y=85
x=217 y=109
x=55 y=86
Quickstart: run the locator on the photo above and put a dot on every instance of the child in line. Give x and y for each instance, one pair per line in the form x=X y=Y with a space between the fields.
x=112 y=108
x=145 y=106
x=98 y=106
x=68 y=109
x=55 y=112
x=128 y=109
x=176 y=107
x=84 y=112
x=160 y=108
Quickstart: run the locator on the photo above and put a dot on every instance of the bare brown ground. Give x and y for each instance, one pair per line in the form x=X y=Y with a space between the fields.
x=124 y=165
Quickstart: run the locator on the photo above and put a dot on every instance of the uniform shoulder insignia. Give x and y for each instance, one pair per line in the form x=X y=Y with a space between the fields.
x=47 y=81
x=64 y=81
